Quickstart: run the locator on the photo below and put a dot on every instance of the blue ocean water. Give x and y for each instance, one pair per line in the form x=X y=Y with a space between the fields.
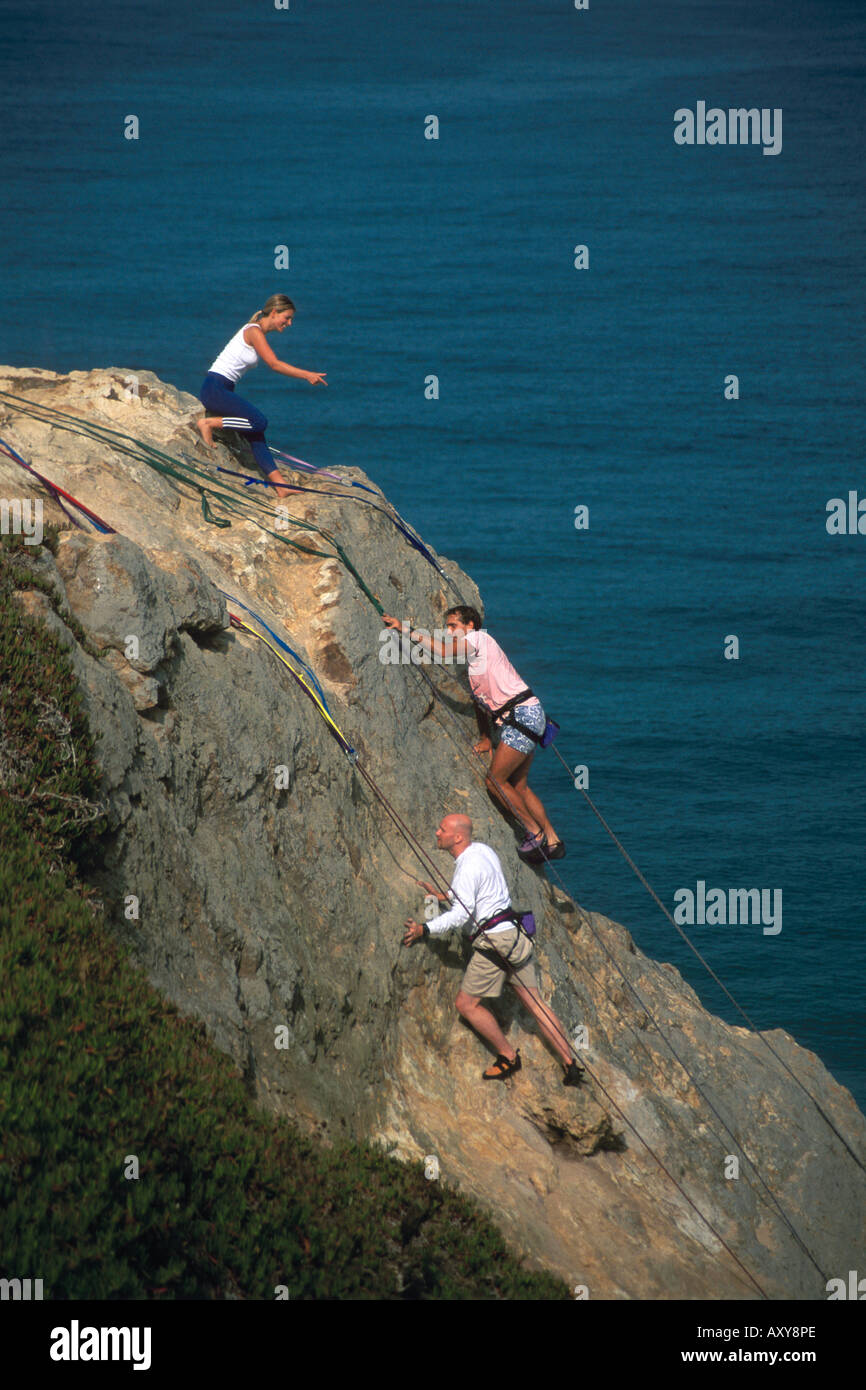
x=558 y=387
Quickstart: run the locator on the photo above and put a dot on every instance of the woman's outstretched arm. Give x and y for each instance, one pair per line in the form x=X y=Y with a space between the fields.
x=258 y=341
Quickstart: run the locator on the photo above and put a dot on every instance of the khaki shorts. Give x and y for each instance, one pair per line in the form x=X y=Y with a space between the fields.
x=486 y=972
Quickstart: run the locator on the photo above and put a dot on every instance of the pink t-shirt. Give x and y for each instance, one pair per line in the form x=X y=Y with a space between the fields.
x=492 y=678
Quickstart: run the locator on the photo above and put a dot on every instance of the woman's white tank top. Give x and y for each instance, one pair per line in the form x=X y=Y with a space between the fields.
x=236 y=357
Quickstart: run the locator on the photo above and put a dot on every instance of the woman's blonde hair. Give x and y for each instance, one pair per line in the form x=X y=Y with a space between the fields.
x=277 y=302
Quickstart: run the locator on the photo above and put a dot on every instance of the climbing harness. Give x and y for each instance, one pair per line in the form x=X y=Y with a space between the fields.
x=524 y=921
x=506 y=715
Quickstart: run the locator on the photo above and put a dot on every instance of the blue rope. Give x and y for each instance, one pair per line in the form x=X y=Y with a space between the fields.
x=308 y=670
x=10 y=450
x=102 y=527
x=326 y=492
x=311 y=468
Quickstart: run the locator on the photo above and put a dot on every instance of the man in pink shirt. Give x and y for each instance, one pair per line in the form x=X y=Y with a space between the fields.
x=503 y=701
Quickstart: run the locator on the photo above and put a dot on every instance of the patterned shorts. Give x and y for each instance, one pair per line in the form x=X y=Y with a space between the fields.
x=533 y=717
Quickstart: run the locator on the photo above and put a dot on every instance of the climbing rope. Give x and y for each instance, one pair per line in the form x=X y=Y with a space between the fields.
x=305 y=685
x=710 y=971
x=307 y=669
x=432 y=868
x=324 y=472
x=401 y=526
x=183 y=472
x=59 y=494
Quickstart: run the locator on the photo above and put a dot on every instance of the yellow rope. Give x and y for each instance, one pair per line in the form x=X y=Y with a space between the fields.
x=297 y=675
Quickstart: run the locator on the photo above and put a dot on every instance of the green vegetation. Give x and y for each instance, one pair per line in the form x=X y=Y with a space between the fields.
x=96 y=1066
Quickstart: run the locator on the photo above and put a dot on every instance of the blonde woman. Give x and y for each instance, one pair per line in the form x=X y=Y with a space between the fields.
x=228 y=411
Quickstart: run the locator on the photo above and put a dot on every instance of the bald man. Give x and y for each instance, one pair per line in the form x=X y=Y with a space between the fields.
x=479 y=897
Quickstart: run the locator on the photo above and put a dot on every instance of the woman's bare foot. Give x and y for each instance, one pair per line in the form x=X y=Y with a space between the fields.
x=206 y=427
x=279 y=484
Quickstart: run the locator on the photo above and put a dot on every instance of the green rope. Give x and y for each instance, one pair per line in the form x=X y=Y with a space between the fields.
x=206 y=513
x=184 y=472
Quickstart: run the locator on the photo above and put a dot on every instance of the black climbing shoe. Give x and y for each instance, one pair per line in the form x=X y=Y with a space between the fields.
x=574 y=1074
x=556 y=851
x=502 y=1067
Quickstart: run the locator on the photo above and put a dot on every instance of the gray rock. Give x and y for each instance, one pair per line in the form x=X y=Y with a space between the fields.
x=272 y=888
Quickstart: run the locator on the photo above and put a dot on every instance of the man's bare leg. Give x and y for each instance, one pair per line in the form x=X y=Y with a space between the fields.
x=546 y=1020
x=470 y=1007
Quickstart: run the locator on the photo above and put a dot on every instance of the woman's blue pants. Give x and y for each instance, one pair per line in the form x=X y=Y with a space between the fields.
x=217 y=395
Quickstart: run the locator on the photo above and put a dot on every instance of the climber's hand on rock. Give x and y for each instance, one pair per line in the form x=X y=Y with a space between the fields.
x=414 y=931
x=391 y=622
x=483 y=746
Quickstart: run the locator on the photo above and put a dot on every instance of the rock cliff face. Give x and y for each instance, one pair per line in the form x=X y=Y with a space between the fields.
x=271 y=886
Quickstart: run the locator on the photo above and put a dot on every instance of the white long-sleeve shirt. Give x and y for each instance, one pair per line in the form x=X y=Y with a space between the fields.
x=478 y=891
